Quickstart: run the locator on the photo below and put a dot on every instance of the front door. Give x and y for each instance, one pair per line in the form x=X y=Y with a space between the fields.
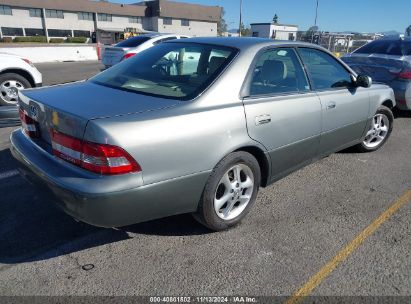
x=344 y=107
x=282 y=112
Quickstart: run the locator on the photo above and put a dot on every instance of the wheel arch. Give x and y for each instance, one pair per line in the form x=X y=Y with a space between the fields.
x=22 y=73
x=388 y=103
x=262 y=159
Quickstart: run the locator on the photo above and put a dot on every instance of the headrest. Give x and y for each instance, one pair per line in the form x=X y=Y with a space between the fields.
x=273 y=71
x=215 y=63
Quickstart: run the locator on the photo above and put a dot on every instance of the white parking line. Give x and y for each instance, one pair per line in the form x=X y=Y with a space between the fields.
x=7 y=174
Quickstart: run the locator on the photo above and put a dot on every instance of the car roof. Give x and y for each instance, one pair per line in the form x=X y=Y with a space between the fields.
x=154 y=35
x=242 y=42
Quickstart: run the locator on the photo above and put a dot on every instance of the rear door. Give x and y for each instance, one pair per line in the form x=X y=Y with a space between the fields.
x=282 y=112
x=345 y=108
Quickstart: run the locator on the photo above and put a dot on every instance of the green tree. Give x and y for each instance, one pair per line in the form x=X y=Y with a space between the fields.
x=221 y=25
x=275 y=19
x=408 y=31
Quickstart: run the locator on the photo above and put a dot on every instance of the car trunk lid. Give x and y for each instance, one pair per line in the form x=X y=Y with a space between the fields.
x=68 y=108
x=113 y=55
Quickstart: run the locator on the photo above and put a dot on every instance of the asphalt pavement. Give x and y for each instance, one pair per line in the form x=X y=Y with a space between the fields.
x=297 y=226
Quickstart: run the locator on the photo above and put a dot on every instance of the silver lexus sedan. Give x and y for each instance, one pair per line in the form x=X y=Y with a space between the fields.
x=194 y=126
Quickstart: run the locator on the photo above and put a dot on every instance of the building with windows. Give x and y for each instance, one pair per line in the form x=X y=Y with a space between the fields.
x=274 y=31
x=104 y=21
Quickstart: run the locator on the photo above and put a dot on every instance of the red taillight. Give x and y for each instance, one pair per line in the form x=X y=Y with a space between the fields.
x=29 y=125
x=406 y=74
x=99 y=158
x=128 y=55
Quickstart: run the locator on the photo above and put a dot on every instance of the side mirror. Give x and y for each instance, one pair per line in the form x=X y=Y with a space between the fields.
x=363 y=81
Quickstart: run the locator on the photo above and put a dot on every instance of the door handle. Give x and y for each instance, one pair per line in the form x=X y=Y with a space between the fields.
x=262 y=119
x=331 y=105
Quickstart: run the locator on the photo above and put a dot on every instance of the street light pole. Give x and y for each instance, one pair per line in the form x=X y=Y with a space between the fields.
x=241 y=18
x=315 y=21
x=316 y=14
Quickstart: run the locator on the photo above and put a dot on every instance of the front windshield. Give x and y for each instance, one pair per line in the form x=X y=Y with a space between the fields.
x=170 y=70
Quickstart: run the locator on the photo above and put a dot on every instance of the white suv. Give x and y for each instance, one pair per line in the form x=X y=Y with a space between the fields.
x=16 y=73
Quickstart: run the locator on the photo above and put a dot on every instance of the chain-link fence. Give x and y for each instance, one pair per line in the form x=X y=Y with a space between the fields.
x=337 y=43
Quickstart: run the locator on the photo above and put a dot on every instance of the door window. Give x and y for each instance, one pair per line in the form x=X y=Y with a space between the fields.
x=326 y=72
x=278 y=71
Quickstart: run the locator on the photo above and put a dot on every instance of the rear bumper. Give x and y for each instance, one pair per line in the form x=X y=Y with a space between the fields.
x=111 y=201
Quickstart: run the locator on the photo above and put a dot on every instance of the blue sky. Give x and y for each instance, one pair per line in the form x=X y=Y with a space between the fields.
x=334 y=15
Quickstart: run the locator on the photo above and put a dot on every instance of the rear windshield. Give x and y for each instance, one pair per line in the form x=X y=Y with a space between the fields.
x=388 y=47
x=171 y=70
x=133 y=41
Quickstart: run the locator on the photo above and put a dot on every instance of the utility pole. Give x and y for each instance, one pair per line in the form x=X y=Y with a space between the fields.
x=241 y=18
x=315 y=21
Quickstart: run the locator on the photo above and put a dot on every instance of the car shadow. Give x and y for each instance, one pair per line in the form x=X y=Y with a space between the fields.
x=178 y=225
x=33 y=228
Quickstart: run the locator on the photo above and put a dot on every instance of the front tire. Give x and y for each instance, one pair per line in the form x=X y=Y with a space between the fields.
x=230 y=191
x=10 y=84
x=378 y=132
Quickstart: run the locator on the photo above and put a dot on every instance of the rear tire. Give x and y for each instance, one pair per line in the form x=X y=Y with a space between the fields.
x=10 y=84
x=230 y=191
x=378 y=132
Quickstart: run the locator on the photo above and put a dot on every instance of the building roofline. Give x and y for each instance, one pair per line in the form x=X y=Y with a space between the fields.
x=155 y=8
x=271 y=23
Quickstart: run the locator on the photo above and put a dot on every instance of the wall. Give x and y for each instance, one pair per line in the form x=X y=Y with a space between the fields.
x=20 y=18
x=119 y=22
x=266 y=31
x=282 y=32
x=53 y=52
x=263 y=30
x=196 y=28
x=70 y=22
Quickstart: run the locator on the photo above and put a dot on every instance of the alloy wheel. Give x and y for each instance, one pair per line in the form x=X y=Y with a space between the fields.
x=234 y=192
x=378 y=131
x=9 y=91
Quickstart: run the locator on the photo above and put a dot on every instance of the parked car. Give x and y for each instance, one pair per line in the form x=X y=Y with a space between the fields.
x=387 y=61
x=16 y=73
x=131 y=46
x=153 y=137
